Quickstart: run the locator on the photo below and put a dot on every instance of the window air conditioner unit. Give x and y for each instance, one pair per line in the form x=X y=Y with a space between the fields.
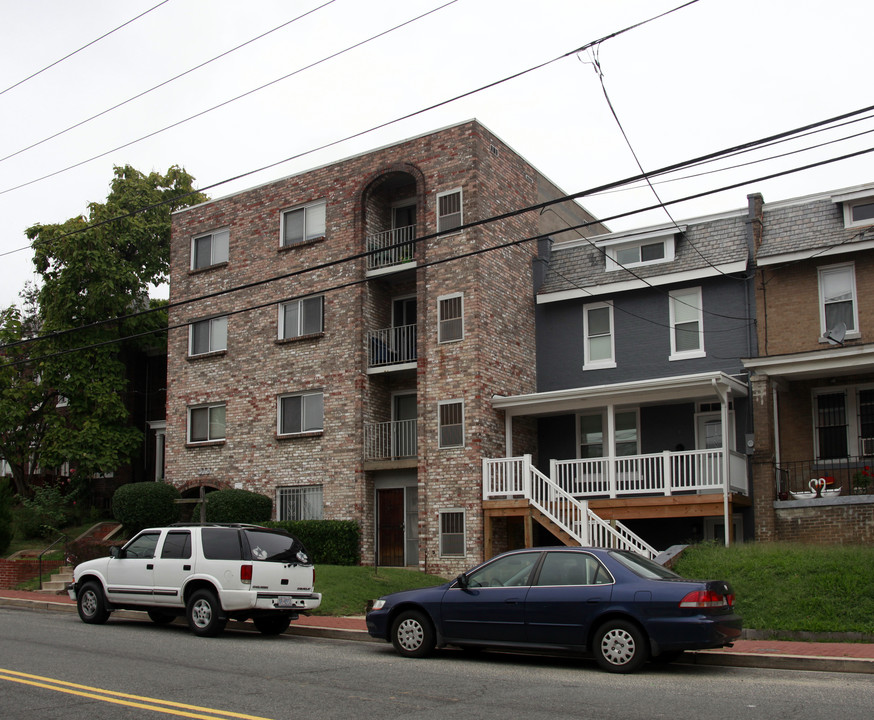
x=868 y=446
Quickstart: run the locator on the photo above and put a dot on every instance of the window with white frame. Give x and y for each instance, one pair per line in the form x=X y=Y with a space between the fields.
x=452 y=533
x=301 y=317
x=207 y=336
x=646 y=250
x=206 y=423
x=450 y=318
x=837 y=299
x=687 y=323
x=303 y=224
x=449 y=215
x=598 y=351
x=301 y=413
x=210 y=249
x=451 y=423
x=859 y=212
x=300 y=503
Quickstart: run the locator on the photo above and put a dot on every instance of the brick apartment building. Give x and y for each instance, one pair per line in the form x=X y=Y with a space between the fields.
x=351 y=376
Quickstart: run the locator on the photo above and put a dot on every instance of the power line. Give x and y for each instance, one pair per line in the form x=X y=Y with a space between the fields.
x=358 y=256
x=231 y=100
x=540 y=206
x=582 y=48
x=87 y=45
x=166 y=82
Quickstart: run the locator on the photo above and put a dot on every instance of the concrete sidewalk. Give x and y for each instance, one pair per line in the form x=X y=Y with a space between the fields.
x=856 y=657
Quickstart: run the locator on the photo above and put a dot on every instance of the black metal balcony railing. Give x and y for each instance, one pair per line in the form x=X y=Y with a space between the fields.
x=843 y=476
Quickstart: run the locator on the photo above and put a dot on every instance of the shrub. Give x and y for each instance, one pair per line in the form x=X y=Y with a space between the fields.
x=42 y=515
x=330 y=542
x=238 y=506
x=6 y=530
x=145 y=504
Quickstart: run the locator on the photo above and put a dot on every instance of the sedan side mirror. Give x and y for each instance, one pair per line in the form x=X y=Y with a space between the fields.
x=462 y=581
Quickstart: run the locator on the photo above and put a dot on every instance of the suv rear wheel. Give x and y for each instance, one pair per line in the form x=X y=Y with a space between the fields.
x=205 y=614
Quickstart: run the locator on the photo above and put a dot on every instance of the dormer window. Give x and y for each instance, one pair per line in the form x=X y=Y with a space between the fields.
x=636 y=250
x=858 y=208
x=858 y=213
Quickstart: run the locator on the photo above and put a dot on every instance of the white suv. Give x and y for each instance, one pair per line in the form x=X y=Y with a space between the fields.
x=209 y=573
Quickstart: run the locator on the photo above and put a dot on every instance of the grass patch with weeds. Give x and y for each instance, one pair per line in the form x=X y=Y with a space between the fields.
x=792 y=587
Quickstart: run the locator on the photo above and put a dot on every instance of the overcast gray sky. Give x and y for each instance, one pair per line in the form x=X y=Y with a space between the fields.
x=712 y=75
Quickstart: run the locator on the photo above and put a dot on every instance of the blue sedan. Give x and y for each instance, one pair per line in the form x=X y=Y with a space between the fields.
x=616 y=605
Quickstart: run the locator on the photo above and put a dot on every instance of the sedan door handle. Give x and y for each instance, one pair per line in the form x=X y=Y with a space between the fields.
x=511 y=601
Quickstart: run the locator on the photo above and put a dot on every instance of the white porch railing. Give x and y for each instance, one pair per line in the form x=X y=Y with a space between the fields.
x=392 y=247
x=390 y=440
x=659 y=473
x=391 y=346
x=517 y=477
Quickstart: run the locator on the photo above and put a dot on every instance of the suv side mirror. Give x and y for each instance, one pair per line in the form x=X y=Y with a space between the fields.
x=115 y=552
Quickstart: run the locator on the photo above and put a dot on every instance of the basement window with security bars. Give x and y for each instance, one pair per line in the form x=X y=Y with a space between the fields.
x=452 y=533
x=300 y=503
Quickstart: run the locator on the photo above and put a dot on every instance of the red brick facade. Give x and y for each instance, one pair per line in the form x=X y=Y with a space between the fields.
x=796 y=367
x=495 y=355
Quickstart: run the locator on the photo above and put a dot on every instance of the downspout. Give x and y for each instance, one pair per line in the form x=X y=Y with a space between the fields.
x=723 y=398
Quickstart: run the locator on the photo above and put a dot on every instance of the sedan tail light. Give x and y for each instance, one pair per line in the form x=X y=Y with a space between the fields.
x=246 y=574
x=706 y=599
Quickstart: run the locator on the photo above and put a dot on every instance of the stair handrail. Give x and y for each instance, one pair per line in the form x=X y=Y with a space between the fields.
x=557 y=494
x=39 y=559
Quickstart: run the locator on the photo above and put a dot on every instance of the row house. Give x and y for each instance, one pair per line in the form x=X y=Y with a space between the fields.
x=337 y=337
x=641 y=417
x=812 y=381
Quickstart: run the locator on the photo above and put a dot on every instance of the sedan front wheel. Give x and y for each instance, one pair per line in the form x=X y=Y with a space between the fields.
x=412 y=634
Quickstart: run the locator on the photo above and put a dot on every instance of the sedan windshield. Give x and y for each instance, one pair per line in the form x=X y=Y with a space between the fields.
x=642 y=566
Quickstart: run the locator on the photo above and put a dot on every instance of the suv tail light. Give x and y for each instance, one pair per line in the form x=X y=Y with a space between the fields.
x=246 y=574
x=706 y=599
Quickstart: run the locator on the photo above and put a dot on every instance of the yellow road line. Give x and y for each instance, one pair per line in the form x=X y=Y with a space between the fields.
x=119 y=698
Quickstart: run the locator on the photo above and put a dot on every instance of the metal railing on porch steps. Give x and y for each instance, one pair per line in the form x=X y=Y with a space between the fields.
x=514 y=476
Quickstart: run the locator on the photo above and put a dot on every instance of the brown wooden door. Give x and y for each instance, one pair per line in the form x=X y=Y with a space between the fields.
x=390 y=520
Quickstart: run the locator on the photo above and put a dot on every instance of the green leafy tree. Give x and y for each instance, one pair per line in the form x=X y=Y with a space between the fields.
x=94 y=268
x=25 y=402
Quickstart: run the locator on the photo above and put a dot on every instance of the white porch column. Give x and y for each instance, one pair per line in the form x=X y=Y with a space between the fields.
x=724 y=395
x=508 y=434
x=610 y=448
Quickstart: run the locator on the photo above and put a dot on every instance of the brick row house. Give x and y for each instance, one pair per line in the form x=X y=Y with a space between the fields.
x=708 y=374
x=360 y=388
x=813 y=377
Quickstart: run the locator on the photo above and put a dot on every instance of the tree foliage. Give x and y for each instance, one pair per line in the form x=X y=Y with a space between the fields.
x=65 y=400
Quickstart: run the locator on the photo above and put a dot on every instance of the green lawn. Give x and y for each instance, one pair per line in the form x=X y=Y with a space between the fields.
x=781 y=587
x=791 y=587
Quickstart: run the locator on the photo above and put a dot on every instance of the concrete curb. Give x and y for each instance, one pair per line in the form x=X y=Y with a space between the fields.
x=723 y=657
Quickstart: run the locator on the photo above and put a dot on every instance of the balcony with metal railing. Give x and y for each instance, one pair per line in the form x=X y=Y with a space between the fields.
x=391 y=249
x=394 y=440
x=391 y=348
